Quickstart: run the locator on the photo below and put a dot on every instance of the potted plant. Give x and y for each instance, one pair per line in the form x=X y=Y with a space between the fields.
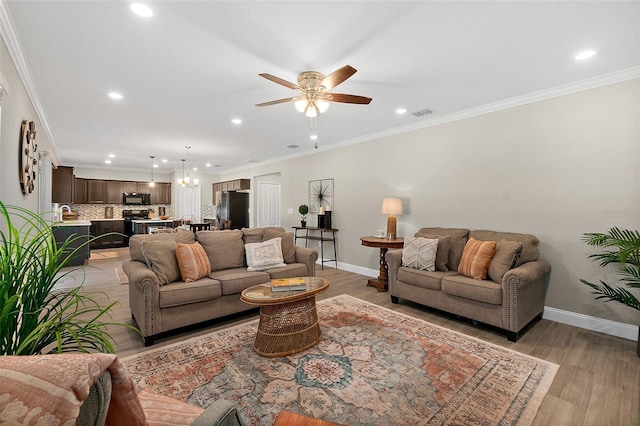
x=35 y=317
x=622 y=248
x=303 y=209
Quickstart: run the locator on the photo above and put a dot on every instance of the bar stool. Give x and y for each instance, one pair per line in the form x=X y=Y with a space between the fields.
x=195 y=227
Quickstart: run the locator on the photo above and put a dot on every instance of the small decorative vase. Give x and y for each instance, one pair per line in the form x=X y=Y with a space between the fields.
x=303 y=223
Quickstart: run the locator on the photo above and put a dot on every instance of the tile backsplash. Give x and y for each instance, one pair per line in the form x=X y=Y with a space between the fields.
x=98 y=211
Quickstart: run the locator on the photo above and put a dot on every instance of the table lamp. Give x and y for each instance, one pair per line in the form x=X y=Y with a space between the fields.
x=391 y=206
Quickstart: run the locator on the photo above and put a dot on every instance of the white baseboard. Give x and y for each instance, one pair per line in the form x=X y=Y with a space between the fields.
x=613 y=328
x=619 y=329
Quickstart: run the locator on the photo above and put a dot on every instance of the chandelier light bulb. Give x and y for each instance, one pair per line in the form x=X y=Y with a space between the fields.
x=312 y=110
x=196 y=181
x=300 y=104
x=322 y=105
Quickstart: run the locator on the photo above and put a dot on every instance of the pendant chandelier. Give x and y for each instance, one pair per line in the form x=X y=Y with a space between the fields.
x=186 y=179
x=152 y=183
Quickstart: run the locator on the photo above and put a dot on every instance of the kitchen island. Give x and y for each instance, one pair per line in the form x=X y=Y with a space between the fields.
x=73 y=228
x=143 y=226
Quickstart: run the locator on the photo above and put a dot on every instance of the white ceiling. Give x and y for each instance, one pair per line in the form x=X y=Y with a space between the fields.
x=192 y=67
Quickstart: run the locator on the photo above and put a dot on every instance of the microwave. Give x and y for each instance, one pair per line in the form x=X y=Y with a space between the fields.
x=136 y=199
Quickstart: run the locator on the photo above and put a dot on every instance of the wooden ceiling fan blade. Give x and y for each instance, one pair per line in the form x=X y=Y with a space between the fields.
x=348 y=99
x=337 y=77
x=279 y=101
x=279 y=80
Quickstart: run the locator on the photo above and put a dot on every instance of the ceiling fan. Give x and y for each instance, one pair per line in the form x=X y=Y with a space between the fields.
x=314 y=86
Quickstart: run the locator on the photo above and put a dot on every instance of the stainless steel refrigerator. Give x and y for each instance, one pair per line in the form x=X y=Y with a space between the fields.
x=234 y=207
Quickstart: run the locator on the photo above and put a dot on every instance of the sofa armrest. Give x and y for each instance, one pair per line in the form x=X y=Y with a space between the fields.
x=308 y=257
x=144 y=297
x=221 y=412
x=523 y=292
x=394 y=262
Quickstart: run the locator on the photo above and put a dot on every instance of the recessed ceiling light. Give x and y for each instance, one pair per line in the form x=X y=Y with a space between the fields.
x=401 y=111
x=142 y=10
x=236 y=121
x=107 y=161
x=195 y=169
x=313 y=137
x=584 y=55
x=115 y=95
x=164 y=160
x=208 y=164
x=112 y=156
x=155 y=166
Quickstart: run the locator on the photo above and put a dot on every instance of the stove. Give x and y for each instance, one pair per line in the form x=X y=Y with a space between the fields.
x=129 y=215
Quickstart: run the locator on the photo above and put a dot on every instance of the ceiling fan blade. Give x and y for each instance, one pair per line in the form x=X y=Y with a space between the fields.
x=337 y=77
x=279 y=101
x=348 y=99
x=279 y=80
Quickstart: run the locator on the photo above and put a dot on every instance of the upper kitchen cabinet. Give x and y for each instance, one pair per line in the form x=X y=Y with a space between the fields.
x=114 y=190
x=80 y=191
x=161 y=193
x=129 y=187
x=96 y=191
x=62 y=185
x=229 y=185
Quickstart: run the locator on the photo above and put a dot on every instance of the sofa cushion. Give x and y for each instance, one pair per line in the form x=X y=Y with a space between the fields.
x=287 y=243
x=160 y=257
x=483 y=291
x=290 y=270
x=442 y=255
x=252 y=235
x=135 y=242
x=180 y=293
x=476 y=258
x=225 y=249
x=420 y=253
x=235 y=280
x=264 y=255
x=507 y=253
x=193 y=262
x=458 y=240
x=424 y=279
x=530 y=243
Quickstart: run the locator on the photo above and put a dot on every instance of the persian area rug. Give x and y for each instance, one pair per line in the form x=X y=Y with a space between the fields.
x=373 y=366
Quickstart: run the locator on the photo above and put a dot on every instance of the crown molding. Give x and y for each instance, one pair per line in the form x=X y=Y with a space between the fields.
x=15 y=51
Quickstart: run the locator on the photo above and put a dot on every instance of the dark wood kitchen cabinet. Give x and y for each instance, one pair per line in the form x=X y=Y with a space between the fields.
x=80 y=191
x=114 y=190
x=161 y=193
x=102 y=227
x=129 y=187
x=62 y=185
x=95 y=191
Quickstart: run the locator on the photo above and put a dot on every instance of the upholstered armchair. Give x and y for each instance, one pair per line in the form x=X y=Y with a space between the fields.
x=92 y=389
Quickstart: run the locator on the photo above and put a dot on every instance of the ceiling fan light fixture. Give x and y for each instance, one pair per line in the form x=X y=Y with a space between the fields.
x=312 y=110
x=322 y=105
x=301 y=104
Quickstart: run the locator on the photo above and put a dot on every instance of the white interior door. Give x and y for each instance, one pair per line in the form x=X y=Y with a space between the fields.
x=268 y=204
x=190 y=204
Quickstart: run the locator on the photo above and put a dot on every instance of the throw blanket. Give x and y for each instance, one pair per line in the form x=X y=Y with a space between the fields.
x=49 y=389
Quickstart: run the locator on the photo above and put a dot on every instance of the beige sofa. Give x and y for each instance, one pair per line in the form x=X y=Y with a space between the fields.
x=161 y=302
x=511 y=297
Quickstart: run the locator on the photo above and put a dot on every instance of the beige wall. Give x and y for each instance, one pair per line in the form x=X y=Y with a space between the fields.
x=555 y=168
x=15 y=107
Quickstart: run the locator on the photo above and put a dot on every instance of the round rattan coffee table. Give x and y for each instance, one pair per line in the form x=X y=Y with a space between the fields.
x=288 y=319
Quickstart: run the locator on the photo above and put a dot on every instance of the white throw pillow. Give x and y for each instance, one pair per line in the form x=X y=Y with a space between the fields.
x=420 y=253
x=265 y=255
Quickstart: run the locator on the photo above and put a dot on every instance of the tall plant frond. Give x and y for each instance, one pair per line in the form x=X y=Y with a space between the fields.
x=623 y=250
x=34 y=317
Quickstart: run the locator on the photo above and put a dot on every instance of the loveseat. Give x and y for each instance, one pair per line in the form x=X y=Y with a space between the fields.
x=161 y=301
x=510 y=296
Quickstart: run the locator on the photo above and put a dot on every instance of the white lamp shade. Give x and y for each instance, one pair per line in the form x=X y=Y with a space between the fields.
x=322 y=105
x=391 y=205
x=300 y=104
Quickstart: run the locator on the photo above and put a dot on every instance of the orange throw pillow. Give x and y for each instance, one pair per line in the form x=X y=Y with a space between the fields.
x=476 y=258
x=193 y=262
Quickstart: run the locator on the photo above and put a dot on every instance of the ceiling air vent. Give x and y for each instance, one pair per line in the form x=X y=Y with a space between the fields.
x=421 y=112
x=293 y=146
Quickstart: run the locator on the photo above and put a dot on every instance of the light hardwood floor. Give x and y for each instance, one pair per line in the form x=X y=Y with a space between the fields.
x=598 y=382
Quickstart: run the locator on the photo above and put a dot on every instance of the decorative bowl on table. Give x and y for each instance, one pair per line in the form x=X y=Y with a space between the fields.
x=164 y=217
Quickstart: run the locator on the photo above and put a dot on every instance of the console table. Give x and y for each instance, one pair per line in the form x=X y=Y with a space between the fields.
x=384 y=245
x=310 y=233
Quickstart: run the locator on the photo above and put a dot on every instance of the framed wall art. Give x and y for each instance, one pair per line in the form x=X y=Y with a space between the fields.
x=320 y=195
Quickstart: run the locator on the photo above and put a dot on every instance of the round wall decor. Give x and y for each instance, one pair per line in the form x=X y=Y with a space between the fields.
x=28 y=156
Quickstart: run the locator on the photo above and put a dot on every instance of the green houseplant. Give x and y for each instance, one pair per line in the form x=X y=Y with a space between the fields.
x=36 y=318
x=622 y=249
x=303 y=209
